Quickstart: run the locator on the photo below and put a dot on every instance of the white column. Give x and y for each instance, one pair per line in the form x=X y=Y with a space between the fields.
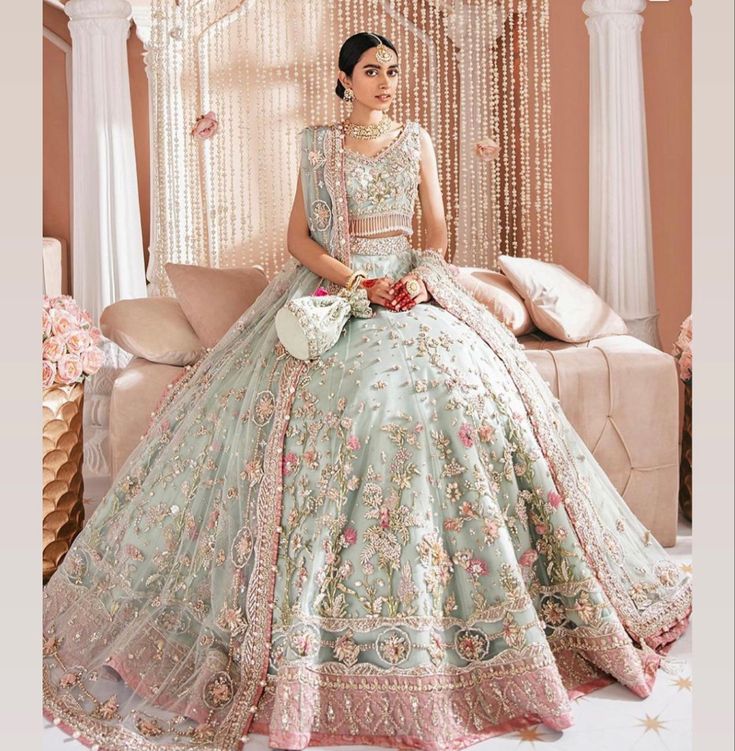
x=107 y=263
x=620 y=240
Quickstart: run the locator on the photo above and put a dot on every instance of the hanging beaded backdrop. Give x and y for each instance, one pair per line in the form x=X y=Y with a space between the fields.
x=470 y=70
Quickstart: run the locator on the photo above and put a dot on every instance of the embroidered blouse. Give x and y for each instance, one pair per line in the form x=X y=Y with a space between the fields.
x=382 y=189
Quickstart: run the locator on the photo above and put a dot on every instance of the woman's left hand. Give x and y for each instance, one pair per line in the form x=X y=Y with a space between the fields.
x=403 y=299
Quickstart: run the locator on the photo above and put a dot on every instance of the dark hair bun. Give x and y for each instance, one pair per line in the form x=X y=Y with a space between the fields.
x=340 y=90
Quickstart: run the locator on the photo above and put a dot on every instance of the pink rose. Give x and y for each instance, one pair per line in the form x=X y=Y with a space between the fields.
x=86 y=317
x=205 y=126
x=46 y=324
x=477 y=567
x=96 y=334
x=49 y=373
x=46 y=302
x=62 y=322
x=78 y=341
x=92 y=360
x=467 y=510
x=353 y=443
x=490 y=529
x=487 y=149
x=528 y=558
x=685 y=365
x=53 y=349
x=486 y=433
x=465 y=435
x=69 y=369
x=554 y=499
x=70 y=306
x=685 y=331
x=320 y=292
x=350 y=535
x=289 y=463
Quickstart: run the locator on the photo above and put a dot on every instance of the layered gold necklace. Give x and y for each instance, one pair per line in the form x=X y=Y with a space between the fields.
x=368 y=132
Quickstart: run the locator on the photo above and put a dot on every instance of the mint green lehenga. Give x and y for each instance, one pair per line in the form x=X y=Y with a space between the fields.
x=401 y=543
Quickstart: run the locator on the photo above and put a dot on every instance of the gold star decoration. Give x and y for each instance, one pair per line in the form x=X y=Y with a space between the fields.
x=683 y=682
x=530 y=734
x=652 y=723
x=686 y=567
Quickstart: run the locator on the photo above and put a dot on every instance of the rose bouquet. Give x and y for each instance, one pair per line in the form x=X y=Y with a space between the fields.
x=682 y=350
x=487 y=149
x=70 y=351
x=205 y=126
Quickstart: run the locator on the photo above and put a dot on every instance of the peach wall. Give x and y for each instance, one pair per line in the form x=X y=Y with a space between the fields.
x=667 y=75
x=56 y=166
x=666 y=45
x=569 y=52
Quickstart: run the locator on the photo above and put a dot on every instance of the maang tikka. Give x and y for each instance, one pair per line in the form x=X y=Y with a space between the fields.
x=382 y=53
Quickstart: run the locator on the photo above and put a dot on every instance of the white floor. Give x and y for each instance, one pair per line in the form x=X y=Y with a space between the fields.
x=611 y=719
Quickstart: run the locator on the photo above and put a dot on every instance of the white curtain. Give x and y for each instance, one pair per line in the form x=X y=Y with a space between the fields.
x=107 y=261
x=620 y=240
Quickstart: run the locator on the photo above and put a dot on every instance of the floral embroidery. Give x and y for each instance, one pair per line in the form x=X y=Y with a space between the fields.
x=471 y=644
x=321 y=215
x=242 y=547
x=393 y=646
x=218 y=691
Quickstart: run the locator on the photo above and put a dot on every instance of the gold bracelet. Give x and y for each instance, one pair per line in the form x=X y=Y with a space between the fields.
x=353 y=279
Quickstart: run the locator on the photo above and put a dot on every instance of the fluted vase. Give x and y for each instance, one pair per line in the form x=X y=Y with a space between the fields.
x=63 y=485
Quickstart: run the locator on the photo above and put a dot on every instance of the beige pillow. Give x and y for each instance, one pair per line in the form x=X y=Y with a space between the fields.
x=213 y=299
x=560 y=304
x=154 y=328
x=496 y=293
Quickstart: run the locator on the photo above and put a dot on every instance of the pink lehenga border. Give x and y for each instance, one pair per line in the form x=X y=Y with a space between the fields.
x=267 y=721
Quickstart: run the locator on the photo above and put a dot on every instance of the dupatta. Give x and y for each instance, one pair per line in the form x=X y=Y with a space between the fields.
x=171 y=581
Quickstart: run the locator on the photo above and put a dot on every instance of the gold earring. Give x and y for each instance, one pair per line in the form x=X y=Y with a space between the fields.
x=349 y=98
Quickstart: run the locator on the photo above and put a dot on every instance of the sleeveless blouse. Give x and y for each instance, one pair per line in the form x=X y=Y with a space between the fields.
x=382 y=189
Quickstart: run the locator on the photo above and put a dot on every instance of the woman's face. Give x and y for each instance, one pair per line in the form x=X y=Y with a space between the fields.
x=374 y=84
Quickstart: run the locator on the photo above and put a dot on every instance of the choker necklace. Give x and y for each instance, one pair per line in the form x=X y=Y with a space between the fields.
x=368 y=132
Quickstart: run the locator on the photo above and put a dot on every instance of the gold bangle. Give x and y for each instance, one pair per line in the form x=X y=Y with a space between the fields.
x=353 y=279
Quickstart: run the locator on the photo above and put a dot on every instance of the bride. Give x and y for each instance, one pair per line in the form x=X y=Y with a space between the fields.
x=401 y=542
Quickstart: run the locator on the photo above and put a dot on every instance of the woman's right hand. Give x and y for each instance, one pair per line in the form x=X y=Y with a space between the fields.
x=379 y=290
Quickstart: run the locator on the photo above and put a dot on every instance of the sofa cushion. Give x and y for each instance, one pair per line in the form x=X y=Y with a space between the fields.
x=152 y=327
x=213 y=299
x=496 y=293
x=560 y=304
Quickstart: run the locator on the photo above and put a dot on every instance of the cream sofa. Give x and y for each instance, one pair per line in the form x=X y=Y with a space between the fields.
x=620 y=394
